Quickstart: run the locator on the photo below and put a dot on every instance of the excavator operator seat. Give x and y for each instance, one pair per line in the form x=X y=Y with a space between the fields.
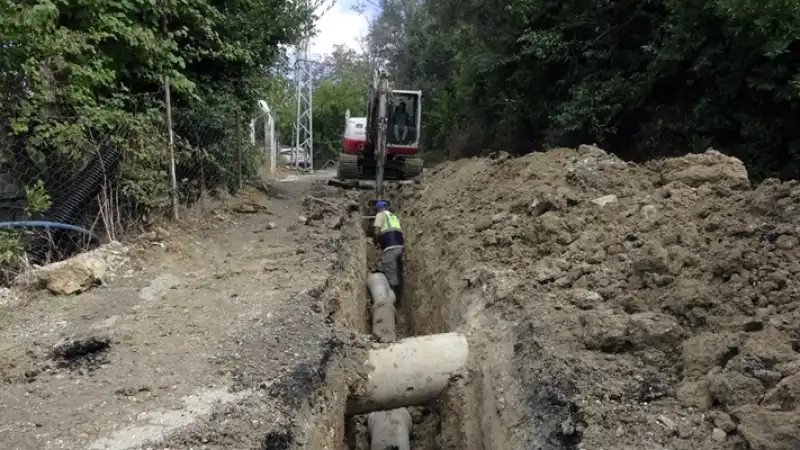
x=404 y=118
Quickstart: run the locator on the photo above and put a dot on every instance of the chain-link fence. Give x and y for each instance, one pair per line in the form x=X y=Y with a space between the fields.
x=220 y=148
x=70 y=182
x=60 y=175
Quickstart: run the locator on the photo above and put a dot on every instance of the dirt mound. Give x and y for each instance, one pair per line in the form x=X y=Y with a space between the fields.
x=654 y=306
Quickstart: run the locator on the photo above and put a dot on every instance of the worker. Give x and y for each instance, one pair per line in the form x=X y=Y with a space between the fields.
x=389 y=237
x=400 y=123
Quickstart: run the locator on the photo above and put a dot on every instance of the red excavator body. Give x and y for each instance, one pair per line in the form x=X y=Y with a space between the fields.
x=361 y=140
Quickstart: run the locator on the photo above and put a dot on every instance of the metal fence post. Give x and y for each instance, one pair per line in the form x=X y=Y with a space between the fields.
x=172 y=172
x=239 y=181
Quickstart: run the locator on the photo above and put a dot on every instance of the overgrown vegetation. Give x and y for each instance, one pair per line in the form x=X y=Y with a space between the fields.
x=645 y=78
x=13 y=241
x=81 y=77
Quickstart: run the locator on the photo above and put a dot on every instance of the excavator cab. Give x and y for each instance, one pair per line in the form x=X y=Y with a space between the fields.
x=403 y=121
x=392 y=138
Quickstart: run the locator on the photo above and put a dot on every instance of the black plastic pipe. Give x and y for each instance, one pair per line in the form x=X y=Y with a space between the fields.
x=82 y=188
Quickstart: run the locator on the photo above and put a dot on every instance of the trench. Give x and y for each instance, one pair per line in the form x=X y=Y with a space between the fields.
x=465 y=416
x=428 y=429
x=426 y=420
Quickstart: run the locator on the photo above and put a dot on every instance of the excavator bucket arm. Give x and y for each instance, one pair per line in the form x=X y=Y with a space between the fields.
x=380 y=142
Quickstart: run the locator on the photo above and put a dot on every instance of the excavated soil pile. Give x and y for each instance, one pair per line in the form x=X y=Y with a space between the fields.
x=650 y=307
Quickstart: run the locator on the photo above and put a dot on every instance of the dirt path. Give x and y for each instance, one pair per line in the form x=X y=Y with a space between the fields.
x=193 y=326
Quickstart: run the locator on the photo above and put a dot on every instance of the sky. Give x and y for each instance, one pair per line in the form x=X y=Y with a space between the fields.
x=340 y=26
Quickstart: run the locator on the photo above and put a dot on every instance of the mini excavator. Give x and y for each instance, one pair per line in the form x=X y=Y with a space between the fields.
x=384 y=144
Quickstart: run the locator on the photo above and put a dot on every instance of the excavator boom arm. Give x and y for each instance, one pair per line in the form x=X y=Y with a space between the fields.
x=380 y=142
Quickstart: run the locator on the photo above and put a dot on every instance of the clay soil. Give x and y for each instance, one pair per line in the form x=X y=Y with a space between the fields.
x=609 y=305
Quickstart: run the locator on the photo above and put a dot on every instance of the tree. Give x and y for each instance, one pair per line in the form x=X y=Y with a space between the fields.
x=344 y=86
x=646 y=79
x=82 y=76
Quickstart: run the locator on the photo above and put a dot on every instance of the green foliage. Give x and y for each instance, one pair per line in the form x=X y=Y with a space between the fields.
x=344 y=85
x=11 y=247
x=647 y=78
x=80 y=77
x=12 y=242
x=341 y=82
x=36 y=198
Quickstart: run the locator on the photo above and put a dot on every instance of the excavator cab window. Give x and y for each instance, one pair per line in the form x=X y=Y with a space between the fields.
x=403 y=118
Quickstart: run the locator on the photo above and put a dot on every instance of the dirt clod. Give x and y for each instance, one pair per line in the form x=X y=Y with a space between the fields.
x=277 y=440
x=89 y=350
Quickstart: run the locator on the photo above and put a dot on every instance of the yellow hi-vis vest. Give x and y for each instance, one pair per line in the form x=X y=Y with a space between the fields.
x=391 y=234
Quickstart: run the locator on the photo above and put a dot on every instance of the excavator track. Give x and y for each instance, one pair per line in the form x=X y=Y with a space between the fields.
x=412 y=167
x=348 y=167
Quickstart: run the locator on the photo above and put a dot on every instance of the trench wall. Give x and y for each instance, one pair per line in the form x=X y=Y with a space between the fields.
x=444 y=295
x=345 y=300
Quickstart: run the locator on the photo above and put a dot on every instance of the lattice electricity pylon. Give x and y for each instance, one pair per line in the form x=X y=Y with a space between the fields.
x=304 y=120
x=304 y=125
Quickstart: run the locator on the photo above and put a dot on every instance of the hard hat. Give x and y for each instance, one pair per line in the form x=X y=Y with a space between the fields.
x=381 y=204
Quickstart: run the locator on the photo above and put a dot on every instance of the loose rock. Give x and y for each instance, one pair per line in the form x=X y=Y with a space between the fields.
x=605 y=200
x=718 y=435
x=81 y=272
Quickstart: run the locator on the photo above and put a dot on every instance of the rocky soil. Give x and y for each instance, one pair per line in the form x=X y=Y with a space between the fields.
x=609 y=306
x=651 y=307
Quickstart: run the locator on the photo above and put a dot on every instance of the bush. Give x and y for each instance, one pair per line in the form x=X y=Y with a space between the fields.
x=646 y=79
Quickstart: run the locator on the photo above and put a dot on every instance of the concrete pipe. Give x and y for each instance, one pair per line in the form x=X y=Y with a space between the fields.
x=384 y=326
x=379 y=289
x=410 y=372
x=390 y=430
